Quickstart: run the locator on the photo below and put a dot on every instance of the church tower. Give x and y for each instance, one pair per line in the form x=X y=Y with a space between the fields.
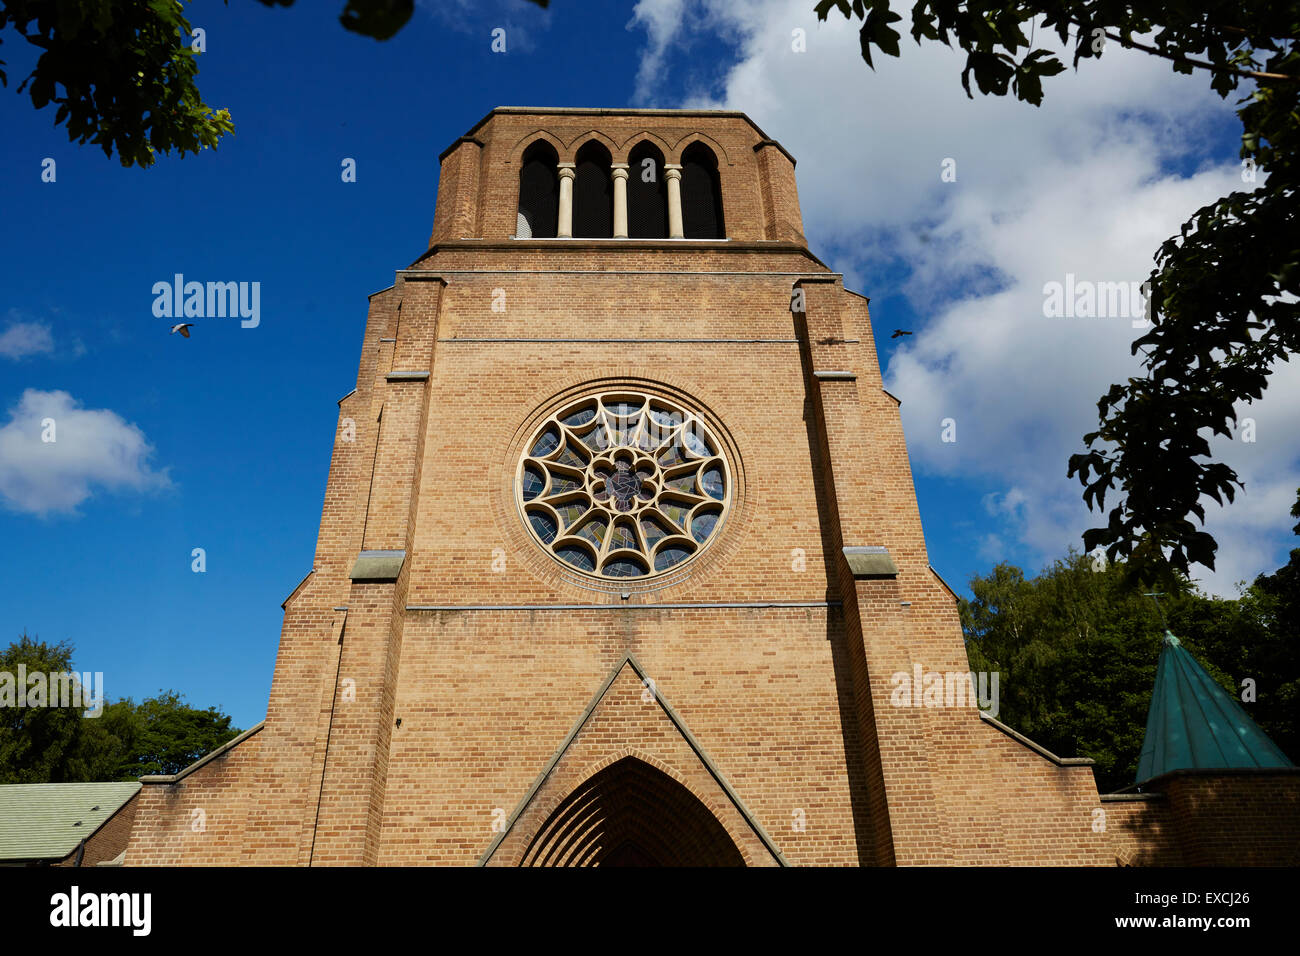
x=620 y=560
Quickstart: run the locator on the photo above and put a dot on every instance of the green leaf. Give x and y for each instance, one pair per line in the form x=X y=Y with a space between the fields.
x=377 y=18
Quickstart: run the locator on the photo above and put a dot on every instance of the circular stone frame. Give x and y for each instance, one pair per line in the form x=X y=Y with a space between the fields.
x=623 y=485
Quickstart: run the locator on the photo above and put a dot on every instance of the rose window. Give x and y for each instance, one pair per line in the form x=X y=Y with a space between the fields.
x=623 y=485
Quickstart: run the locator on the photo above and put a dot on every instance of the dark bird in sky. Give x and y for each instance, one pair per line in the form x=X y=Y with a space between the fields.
x=183 y=328
x=898 y=332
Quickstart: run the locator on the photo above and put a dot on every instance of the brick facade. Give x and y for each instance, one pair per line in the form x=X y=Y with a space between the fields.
x=487 y=707
x=1209 y=818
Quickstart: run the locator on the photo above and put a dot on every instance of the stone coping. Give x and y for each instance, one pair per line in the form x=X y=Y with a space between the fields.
x=764 y=139
x=1154 y=783
x=623 y=245
x=378 y=565
x=870 y=562
x=202 y=761
x=1037 y=748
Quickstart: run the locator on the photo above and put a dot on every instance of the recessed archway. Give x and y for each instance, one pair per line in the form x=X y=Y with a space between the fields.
x=647 y=200
x=632 y=814
x=701 y=194
x=593 y=193
x=539 y=193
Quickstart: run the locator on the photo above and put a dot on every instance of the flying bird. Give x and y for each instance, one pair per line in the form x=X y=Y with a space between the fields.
x=183 y=328
x=898 y=332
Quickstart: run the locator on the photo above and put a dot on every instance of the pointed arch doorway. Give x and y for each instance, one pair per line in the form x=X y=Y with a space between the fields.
x=632 y=814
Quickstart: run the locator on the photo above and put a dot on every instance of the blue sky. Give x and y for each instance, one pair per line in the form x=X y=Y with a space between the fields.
x=223 y=442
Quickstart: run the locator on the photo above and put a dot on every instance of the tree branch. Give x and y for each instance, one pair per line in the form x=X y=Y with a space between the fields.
x=1204 y=64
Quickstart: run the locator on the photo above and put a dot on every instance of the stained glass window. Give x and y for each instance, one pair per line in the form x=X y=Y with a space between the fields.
x=597 y=439
x=622 y=568
x=712 y=482
x=653 y=530
x=623 y=537
x=578 y=557
x=546 y=443
x=579 y=417
x=702 y=525
x=672 y=455
x=570 y=513
x=684 y=483
x=676 y=512
x=670 y=556
x=695 y=444
x=593 y=531
x=561 y=483
x=628 y=489
x=543 y=524
x=571 y=457
x=533 y=482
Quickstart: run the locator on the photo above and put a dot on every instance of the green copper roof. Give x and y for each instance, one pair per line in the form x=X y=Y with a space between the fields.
x=1195 y=724
x=46 y=821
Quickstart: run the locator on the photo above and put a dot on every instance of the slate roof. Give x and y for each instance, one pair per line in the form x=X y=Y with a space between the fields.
x=46 y=821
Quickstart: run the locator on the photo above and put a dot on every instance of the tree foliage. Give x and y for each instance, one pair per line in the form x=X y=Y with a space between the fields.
x=39 y=744
x=172 y=735
x=47 y=744
x=122 y=75
x=1223 y=293
x=1077 y=650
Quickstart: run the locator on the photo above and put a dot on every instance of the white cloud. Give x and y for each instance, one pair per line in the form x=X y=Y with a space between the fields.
x=1253 y=532
x=22 y=339
x=663 y=21
x=1011 y=503
x=1090 y=183
x=520 y=19
x=92 y=448
x=992 y=548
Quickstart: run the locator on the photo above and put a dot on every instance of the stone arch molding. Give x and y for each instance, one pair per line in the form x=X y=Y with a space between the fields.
x=632 y=813
x=660 y=803
x=681 y=145
x=582 y=139
x=618 y=151
x=522 y=144
x=631 y=143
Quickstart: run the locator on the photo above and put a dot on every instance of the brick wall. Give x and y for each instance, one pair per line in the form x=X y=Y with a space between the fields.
x=776 y=662
x=1142 y=830
x=201 y=819
x=1209 y=818
x=478 y=191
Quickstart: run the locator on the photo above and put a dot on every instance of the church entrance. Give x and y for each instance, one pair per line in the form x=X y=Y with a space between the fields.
x=632 y=814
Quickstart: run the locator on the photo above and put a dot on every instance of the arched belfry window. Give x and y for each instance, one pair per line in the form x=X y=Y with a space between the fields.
x=647 y=199
x=701 y=194
x=539 y=193
x=593 y=194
